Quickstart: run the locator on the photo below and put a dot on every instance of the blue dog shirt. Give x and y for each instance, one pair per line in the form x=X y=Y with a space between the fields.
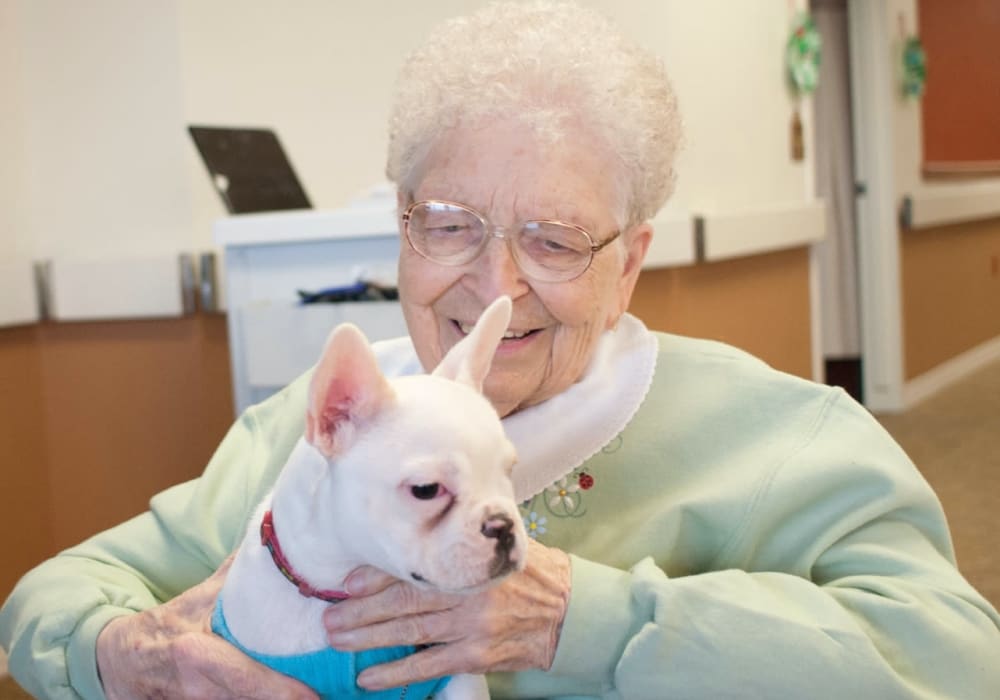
x=331 y=673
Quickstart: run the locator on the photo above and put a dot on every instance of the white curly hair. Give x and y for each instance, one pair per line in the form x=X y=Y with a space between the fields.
x=561 y=69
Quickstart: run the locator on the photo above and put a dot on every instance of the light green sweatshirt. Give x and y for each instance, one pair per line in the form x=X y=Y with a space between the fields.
x=747 y=535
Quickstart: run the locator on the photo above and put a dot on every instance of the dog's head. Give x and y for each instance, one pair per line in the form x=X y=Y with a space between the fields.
x=419 y=467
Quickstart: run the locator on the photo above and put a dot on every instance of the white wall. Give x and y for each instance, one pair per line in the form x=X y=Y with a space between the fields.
x=13 y=156
x=100 y=96
x=106 y=89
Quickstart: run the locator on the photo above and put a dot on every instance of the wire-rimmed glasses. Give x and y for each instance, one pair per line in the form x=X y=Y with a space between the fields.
x=453 y=234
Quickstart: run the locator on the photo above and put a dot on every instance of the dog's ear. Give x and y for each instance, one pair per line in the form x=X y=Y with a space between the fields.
x=347 y=389
x=469 y=360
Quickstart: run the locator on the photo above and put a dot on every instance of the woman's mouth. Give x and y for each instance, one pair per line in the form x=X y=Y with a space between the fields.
x=510 y=334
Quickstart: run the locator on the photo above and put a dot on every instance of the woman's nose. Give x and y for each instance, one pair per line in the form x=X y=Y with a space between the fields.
x=496 y=272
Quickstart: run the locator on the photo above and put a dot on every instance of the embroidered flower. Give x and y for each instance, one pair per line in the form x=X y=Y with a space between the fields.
x=563 y=493
x=563 y=499
x=535 y=524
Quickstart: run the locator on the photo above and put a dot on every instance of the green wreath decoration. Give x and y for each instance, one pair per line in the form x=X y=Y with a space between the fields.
x=802 y=55
x=914 y=67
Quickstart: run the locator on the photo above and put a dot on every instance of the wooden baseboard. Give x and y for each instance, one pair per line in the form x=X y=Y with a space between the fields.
x=947 y=373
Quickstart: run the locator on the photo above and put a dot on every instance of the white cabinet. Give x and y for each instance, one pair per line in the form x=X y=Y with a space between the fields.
x=269 y=257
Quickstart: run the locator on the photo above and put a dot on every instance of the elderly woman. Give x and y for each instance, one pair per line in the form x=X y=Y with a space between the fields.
x=703 y=525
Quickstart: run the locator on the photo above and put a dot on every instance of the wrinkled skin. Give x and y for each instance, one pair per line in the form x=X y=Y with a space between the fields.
x=513 y=626
x=170 y=651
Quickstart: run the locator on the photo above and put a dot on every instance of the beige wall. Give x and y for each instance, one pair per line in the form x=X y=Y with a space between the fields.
x=97 y=94
x=104 y=90
x=13 y=156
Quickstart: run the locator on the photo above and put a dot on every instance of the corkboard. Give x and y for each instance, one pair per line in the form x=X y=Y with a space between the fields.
x=961 y=102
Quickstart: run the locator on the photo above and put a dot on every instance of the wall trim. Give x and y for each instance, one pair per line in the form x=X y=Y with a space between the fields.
x=122 y=288
x=18 y=295
x=957 y=203
x=727 y=235
x=815 y=318
x=949 y=372
x=673 y=241
x=306 y=225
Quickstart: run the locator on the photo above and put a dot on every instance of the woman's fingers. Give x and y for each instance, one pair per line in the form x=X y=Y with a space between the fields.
x=433 y=662
x=408 y=630
x=393 y=602
x=367 y=580
x=512 y=626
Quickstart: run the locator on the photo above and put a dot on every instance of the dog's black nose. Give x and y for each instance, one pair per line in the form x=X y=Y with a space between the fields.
x=498 y=527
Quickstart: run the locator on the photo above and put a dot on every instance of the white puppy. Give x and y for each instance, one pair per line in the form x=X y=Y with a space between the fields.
x=411 y=476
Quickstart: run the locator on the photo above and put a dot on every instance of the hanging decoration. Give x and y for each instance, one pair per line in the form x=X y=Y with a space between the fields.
x=914 y=67
x=802 y=60
x=802 y=55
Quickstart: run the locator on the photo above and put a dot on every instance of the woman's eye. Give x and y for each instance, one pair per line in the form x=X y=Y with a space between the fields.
x=449 y=230
x=425 y=492
x=552 y=246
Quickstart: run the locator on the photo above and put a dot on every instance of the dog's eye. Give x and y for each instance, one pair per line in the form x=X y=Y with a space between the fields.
x=425 y=492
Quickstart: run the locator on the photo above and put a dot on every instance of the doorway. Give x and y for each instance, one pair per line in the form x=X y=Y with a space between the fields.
x=837 y=254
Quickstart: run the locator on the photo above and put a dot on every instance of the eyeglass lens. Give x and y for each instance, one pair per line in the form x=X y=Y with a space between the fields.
x=454 y=235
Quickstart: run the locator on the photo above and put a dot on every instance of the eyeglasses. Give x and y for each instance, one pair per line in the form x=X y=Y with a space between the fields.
x=454 y=234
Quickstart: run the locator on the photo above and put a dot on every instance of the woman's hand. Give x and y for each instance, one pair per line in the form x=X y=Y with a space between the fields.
x=171 y=651
x=512 y=626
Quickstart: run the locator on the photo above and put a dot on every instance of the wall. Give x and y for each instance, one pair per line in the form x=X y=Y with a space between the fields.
x=107 y=88
x=100 y=100
x=908 y=119
x=949 y=291
x=759 y=303
x=13 y=155
x=97 y=417
x=299 y=70
x=24 y=476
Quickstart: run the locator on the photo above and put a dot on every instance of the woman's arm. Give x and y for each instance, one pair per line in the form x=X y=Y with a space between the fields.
x=837 y=579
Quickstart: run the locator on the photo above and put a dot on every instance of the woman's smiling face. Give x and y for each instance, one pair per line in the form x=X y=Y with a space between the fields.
x=501 y=172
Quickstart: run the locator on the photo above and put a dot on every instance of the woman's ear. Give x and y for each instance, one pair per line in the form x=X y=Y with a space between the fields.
x=637 y=240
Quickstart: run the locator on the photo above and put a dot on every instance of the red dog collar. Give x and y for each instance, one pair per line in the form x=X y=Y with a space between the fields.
x=269 y=538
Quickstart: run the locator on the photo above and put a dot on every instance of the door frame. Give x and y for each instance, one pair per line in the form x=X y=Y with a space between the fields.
x=879 y=292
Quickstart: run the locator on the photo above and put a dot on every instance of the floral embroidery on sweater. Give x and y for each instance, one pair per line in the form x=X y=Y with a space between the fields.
x=563 y=499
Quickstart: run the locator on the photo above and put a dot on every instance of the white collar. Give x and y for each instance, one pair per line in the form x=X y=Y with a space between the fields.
x=558 y=435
